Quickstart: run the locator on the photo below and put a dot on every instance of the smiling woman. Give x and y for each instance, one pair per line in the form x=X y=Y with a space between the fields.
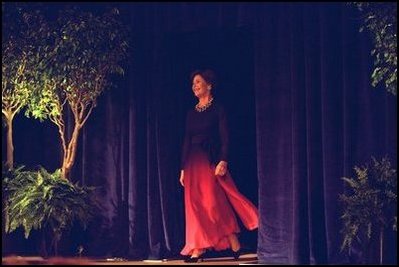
x=211 y=196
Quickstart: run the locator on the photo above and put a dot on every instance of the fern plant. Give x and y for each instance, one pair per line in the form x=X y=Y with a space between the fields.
x=369 y=203
x=43 y=200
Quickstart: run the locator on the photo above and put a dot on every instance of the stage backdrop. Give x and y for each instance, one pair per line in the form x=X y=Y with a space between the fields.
x=295 y=79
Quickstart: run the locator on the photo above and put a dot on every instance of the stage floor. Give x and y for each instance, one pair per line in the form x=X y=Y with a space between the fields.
x=245 y=259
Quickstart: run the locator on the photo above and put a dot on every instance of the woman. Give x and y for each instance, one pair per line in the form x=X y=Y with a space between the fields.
x=210 y=194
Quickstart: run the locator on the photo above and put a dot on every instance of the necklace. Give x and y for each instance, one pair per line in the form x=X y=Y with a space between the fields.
x=200 y=108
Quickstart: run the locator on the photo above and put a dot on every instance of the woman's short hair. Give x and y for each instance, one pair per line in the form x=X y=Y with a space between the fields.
x=208 y=75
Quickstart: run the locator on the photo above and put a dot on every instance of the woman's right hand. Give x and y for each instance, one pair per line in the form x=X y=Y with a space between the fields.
x=182 y=178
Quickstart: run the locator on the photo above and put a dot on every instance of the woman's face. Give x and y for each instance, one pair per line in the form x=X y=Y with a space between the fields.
x=200 y=86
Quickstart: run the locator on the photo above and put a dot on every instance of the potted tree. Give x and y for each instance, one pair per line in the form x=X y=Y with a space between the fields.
x=23 y=35
x=96 y=46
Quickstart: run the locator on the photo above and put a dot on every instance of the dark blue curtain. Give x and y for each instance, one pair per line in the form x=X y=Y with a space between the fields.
x=295 y=79
x=317 y=117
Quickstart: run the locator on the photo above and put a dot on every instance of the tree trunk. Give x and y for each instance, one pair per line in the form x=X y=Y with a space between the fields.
x=70 y=153
x=381 y=245
x=43 y=250
x=10 y=145
x=65 y=171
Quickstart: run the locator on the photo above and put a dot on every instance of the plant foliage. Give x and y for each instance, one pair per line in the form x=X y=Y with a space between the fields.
x=24 y=35
x=39 y=199
x=83 y=54
x=380 y=18
x=370 y=201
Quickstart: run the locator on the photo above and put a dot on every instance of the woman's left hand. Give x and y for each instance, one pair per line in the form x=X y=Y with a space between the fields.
x=221 y=168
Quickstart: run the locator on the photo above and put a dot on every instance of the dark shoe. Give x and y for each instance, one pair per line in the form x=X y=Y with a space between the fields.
x=194 y=259
x=236 y=254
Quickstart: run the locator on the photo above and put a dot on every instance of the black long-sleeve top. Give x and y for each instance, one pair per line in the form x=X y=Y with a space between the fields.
x=209 y=130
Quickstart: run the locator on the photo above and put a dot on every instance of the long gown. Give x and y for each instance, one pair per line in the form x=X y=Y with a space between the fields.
x=210 y=201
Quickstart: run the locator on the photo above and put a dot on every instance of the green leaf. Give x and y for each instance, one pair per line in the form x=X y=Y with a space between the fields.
x=369 y=203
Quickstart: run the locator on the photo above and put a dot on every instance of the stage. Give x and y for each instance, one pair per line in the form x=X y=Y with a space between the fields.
x=246 y=259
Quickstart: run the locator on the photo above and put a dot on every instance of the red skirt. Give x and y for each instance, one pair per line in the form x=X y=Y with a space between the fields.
x=210 y=202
